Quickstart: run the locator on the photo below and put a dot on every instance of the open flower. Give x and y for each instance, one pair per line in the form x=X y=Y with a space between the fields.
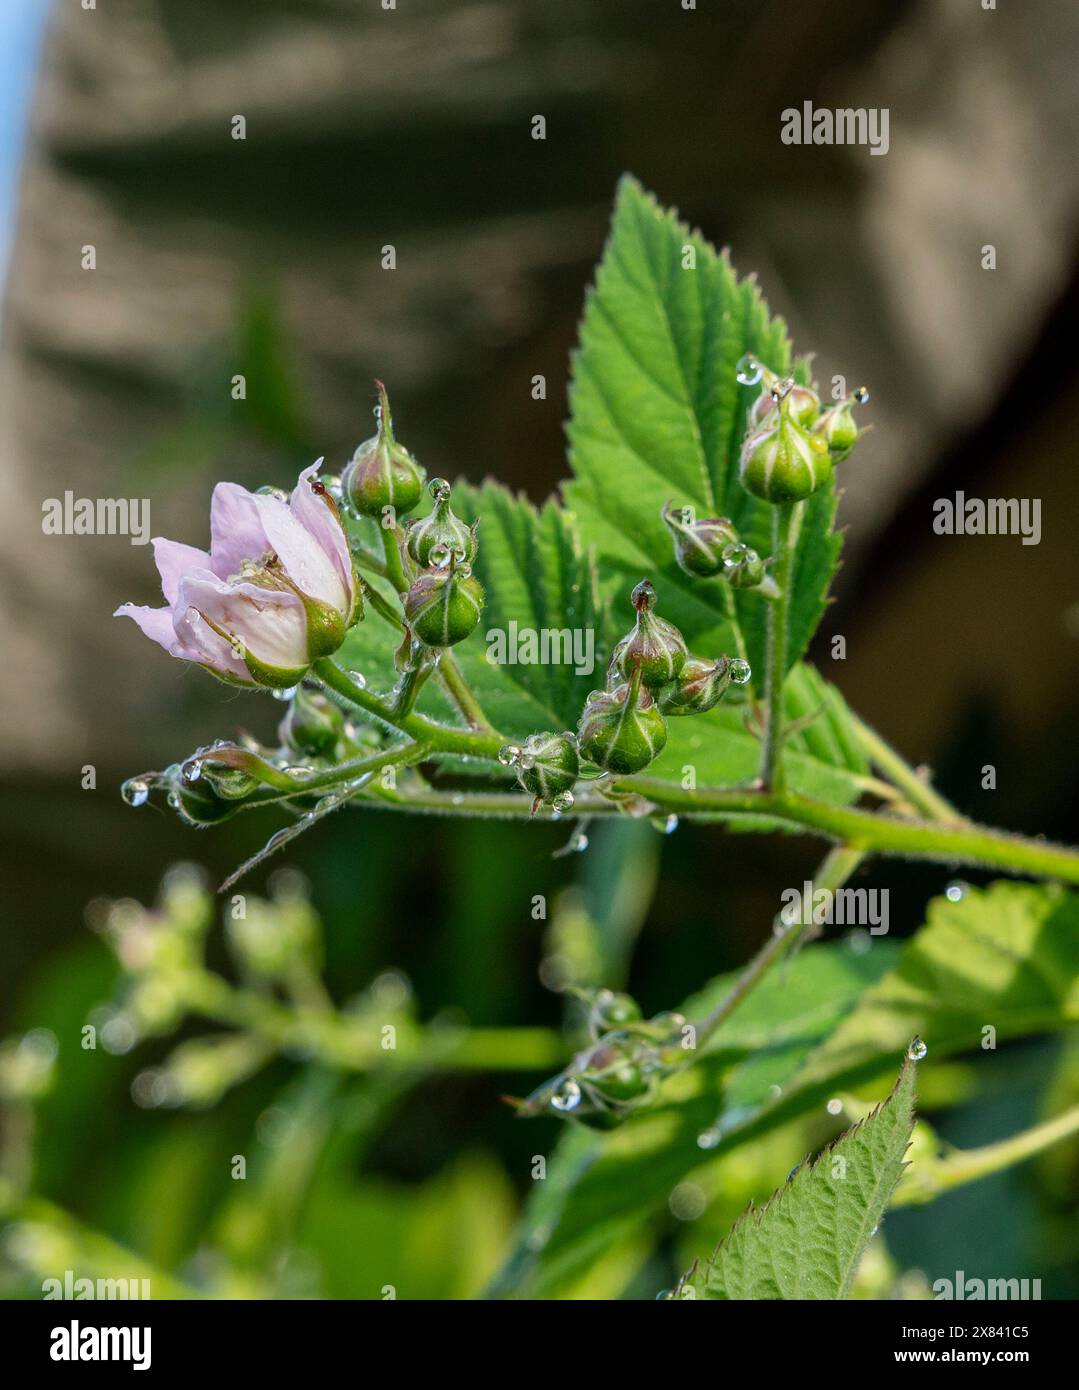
x=275 y=592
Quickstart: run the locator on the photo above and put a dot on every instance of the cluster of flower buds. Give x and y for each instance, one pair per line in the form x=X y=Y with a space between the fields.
x=383 y=481
x=792 y=443
x=620 y=1068
x=651 y=675
x=219 y=780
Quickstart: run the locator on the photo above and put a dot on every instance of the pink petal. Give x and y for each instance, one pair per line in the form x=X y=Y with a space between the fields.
x=236 y=532
x=272 y=626
x=156 y=623
x=318 y=516
x=174 y=560
x=305 y=562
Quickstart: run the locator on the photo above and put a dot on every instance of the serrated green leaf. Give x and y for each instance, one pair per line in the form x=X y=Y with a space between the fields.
x=807 y=1240
x=1005 y=956
x=657 y=414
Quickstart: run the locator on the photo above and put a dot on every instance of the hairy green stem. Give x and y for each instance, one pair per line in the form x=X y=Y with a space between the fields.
x=786 y=517
x=391 y=545
x=928 y=1179
x=872 y=833
x=834 y=871
x=443 y=738
x=886 y=760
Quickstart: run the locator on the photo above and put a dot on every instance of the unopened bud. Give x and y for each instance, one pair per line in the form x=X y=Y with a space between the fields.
x=698 y=545
x=382 y=473
x=654 y=647
x=441 y=531
x=783 y=461
x=444 y=604
x=622 y=730
x=313 y=724
x=700 y=686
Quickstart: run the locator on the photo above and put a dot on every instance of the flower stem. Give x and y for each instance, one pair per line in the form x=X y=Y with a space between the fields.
x=965 y=843
x=391 y=545
x=786 y=518
x=443 y=738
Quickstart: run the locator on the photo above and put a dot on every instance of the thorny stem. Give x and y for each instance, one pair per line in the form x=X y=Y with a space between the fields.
x=786 y=518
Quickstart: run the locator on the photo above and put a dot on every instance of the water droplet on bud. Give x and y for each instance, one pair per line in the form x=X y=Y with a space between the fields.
x=191 y=771
x=861 y=395
x=917 y=1050
x=563 y=802
x=286 y=694
x=509 y=754
x=358 y=679
x=135 y=791
x=748 y=370
x=740 y=671
x=567 y=1095
x=439 y=489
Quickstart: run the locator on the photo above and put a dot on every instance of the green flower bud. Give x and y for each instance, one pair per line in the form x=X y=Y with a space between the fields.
x=698 y=545
x=382 y=473
x=313 y=724
x=743 y=567
x=837 y=426
x=440 y=532
x=803 y=402
x=547 y=766
x=700 y=686
x=783 y=461
x=622 y=1082
x=655 y=647
x=610 y=1010
x=622 y=730
x=444 y=604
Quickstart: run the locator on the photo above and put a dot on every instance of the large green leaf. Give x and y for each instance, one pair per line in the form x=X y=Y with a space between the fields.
x=657 y=413
x=805 y=1243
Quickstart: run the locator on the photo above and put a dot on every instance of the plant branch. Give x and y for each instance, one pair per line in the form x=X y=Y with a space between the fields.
x=786 y=517
x=887 y=761
x=834 y=871
x=929 y=1179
